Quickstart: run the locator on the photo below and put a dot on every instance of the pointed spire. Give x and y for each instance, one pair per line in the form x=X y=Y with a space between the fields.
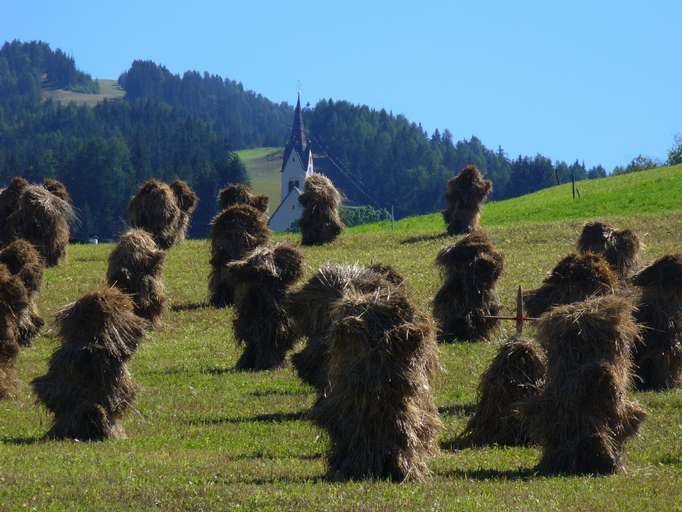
x=298 y=140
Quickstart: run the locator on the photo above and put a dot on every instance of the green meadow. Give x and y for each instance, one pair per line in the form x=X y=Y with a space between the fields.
x=206 y=437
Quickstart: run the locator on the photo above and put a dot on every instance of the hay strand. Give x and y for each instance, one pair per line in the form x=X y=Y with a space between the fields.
x=466 y=193
x=320 y=221
x=468 y=296
x=516 y=374
x=378 y=407
x=658 y=359
x=88 y=387
x=583 y=416
x=135 y=268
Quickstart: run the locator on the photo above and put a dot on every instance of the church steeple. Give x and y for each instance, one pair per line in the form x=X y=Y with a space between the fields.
x=298 y=140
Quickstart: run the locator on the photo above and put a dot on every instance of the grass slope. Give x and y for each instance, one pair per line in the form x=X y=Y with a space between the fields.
x=109 y=90
x=263 y=166
x=206 y=437
x=657 y=190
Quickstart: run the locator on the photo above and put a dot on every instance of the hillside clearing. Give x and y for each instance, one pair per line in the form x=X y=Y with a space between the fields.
x=109 y=90
x=263 y=166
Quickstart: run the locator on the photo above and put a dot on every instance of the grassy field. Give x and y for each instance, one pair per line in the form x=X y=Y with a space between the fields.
x=654 y=191
x=109 y=89
x=205 y=437
x=263 y=166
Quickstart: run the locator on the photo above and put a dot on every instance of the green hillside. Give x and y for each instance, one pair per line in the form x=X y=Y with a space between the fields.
x=653 y=191
x=263 y=166
x=108 y=89
x=207 y=437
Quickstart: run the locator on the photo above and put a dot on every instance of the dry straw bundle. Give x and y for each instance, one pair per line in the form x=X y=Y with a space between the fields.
x=9 y=202
x=658 y=359
x=311 y=305
x=14 y=298
x=23 y=261
x=461 y=307
x=574 y=279
x=583 y=416
x=320 y=221
x=57 y=188
x=135 y=267
x=620 y=247
x=241 y=194
x=162 y=211
x=466 y=193
x=88 y=387
x=187 y=201
x=262 y=325
x=42 y=218
x=235 y=232
x=378 y=407
x=515 y=375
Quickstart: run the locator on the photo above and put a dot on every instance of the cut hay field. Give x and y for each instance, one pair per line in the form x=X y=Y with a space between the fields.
x=205 y=437
x=109 y=90
x=263 y=166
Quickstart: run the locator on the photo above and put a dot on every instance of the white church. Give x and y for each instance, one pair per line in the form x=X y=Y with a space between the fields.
x=297 y=165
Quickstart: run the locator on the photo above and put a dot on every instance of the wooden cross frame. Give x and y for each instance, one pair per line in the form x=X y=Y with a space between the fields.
x=520 y=317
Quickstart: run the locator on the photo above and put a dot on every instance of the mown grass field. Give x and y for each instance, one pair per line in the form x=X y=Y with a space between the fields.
x=109 y=90
x=263 y=166
x=205 y=437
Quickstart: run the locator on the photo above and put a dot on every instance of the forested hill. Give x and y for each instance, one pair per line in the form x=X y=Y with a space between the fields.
x=189 y=125
x=102 y=154
x=247 y=119
x=25 y=68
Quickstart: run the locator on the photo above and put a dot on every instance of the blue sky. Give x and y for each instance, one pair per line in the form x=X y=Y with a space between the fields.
x=600 y=81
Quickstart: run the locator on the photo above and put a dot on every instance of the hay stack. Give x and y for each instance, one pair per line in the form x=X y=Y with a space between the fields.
x=471 y=268
x=241 y=194
x=186 y=200
x=23 y=261
x=515 y=375
x=42 y=218
x=14 y=299
x=135 y=267
x=262 y=325
x=378 y=407
x=155 y=209
x=235 y=232
x=320 y=221
x=466 y=193
x=658 y=359
x=310 y=308
x=583 y=416
x=9 y=202
x=57 y=188
x=574 y=279
x=88 y=387
x=620 y=247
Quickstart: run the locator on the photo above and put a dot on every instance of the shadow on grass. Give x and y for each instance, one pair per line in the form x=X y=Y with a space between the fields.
x=19 y=441
x=192 y=306
x=262 y=456
x=489 y=474
x=457 y=410
x=282 y=480
x=278 y=392
x=219 y=371
x=424 y=238
x=278 y=417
